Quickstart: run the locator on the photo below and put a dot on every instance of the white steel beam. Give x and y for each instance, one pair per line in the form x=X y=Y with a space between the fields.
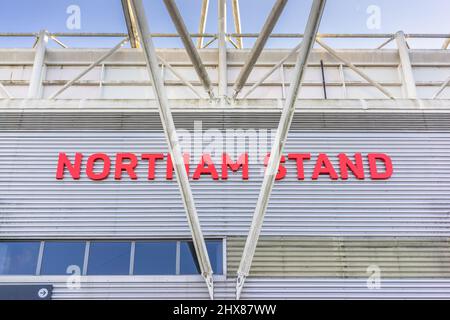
x=89 y=68
x=272 y=19
x=202 y=25
x=446 y=43
x=130 y=21
x=355 y=69
x=189 y=46
x=441 y=88
x=278 y=145
x=210 y=42
x=4 y=91
x=385 y=43
x=173 y=143
x=237 y=22
x=37 y=75
x=274 y=68
x=222 y=45
x=407 y=73
x=179 y=76
x=59 y=42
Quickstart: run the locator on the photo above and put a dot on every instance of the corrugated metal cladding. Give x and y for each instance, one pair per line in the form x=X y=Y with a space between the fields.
x=318 y=238
x=414 y=202
x=255 y=288
x=344 y=257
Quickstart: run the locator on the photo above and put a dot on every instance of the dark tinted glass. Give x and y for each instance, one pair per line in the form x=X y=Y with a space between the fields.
x=214 y=248
x=188 y=262
x=58 y=256
x=109 y=258
x=18 y=257
x=155 y=257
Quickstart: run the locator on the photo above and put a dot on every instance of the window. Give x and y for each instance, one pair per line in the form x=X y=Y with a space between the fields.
x=155 y=257
x=60 y=255
x=188 y=264
x=188 y=261
x=19 y=258
x=215 y=254
x=146 y=257
x=109 y=258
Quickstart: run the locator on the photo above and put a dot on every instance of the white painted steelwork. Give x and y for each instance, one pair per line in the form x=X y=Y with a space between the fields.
x=284 y=125
x=35 y=87
x=111 y=109
x=173 y=144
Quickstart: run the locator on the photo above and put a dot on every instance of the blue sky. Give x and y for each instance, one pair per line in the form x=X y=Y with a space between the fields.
x=340 y=16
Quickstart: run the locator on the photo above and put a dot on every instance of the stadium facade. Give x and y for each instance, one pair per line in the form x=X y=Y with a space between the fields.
x=90 y=207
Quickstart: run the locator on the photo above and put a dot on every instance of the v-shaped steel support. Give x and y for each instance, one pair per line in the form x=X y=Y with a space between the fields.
x=173 y=143
x=278 y=145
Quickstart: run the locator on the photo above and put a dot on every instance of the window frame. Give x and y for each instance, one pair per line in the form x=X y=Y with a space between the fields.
x=87 y=249
x=38 y=258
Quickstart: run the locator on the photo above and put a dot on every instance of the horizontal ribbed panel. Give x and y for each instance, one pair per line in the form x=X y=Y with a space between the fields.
x=414 y=202
x=295 y=288
x=255 y=288
x=328 y=121
x=343 y=257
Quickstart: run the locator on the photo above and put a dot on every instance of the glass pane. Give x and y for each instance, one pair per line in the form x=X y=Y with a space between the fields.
x=109 y=258
x=155 y=257
x=214 y=248
x=188 y=260
x=18 y=257
x=58 y=256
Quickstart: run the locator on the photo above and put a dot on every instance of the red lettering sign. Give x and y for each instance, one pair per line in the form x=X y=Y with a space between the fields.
x=98 y=166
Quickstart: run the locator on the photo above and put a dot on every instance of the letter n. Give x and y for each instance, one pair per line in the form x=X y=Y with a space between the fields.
x=64 y=162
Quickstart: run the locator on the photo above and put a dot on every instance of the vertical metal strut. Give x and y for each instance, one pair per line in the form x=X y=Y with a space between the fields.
x=35 y=87
x=222 y=27
x=405 y=61
x=173 y=143
x=278 y=145
x=202 y=24
x=130 y=21
x=237 y=22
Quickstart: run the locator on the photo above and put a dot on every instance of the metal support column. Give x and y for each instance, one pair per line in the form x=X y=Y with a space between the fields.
x=258 y=46
x=37 y=75
x=407 y=73
x=278 y=145
x=202 y=25
x=190 y=47
x=237 y=22
x=173 y=143
x=223 y=78
x=130 y=21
